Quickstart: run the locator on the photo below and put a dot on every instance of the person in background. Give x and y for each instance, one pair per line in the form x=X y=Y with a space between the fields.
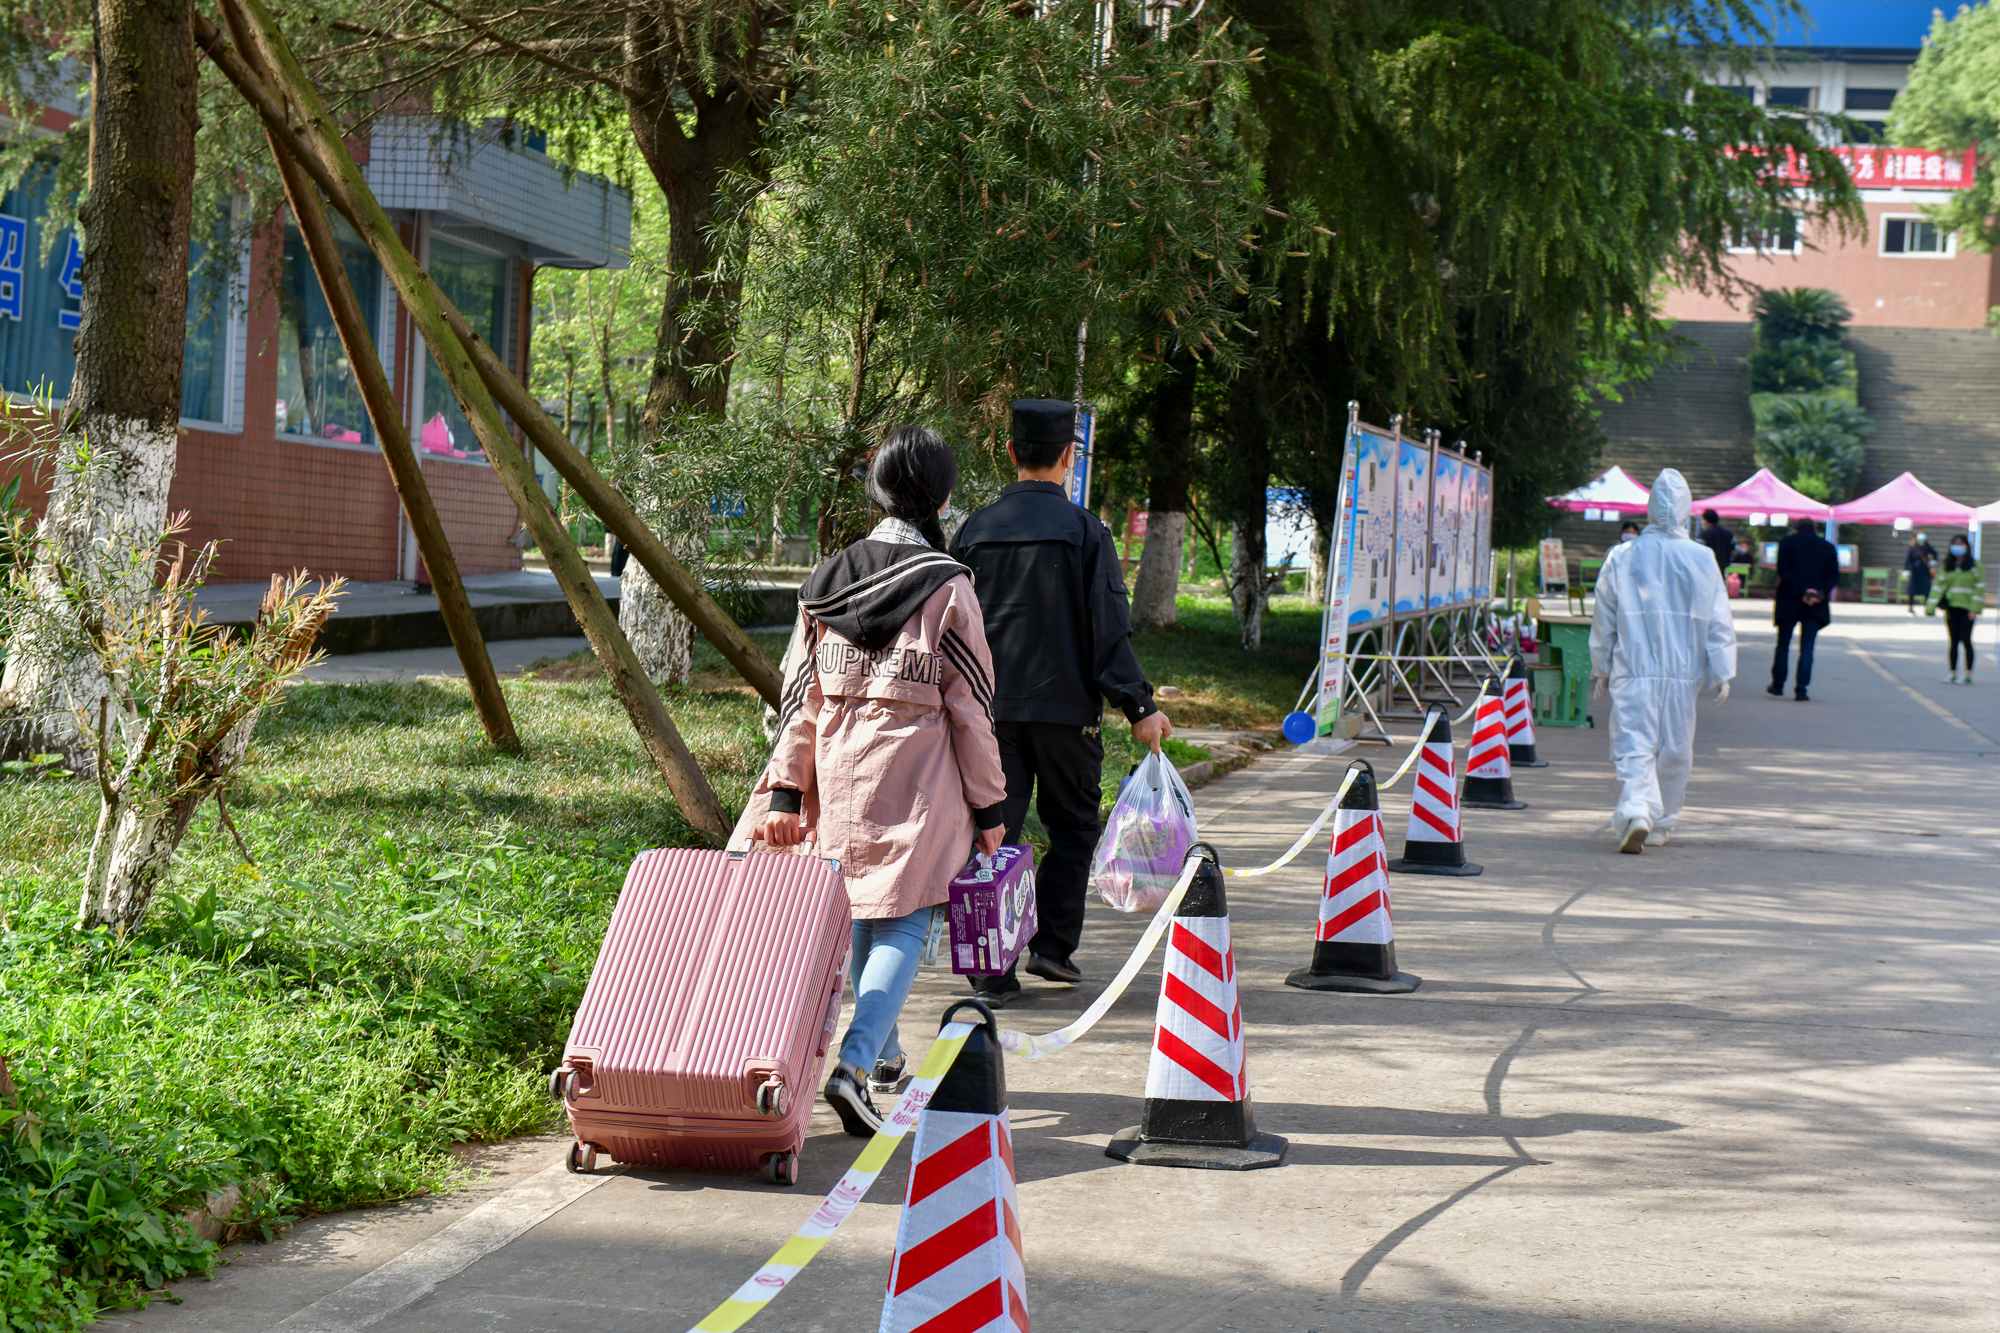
x=1060 y=624
x=1661 y=633
x=1920 y=560
x=1808 y=572
x=1961 y=591
x=887 y=744
x=1718 y=539
x=1628 y=533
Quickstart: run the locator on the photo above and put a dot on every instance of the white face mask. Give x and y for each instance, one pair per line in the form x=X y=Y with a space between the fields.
x=1958 y=550
x=1628 y=536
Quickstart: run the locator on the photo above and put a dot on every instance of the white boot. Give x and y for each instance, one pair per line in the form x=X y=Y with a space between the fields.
x=1632 y=837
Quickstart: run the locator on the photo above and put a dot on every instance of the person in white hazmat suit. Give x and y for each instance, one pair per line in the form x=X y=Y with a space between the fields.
x=1662 y=632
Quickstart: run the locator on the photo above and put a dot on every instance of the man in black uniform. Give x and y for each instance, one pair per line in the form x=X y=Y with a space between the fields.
x=1718 y=539
x=1059 y=624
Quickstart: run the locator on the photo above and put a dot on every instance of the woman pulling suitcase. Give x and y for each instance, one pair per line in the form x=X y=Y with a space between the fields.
x=885 y=745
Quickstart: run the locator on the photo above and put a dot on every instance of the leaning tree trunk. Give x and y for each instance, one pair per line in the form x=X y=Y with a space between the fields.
x=125 y=399
x=1156 y=590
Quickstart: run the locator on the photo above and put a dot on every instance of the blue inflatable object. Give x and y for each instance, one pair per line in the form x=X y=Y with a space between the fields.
x=1300 y=728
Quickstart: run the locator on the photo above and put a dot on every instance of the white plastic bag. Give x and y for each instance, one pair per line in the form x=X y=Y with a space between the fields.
x=1139 y=857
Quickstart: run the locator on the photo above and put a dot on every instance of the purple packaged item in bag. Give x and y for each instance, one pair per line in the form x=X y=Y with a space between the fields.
x=991 y=905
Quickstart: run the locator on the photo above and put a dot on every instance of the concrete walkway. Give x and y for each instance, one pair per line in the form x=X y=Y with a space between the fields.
x=1745 y=1081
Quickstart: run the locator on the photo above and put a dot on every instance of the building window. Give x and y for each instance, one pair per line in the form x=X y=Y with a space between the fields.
x=1865 y=131
x=1870 y=99
x=1778 y=234
x=1800 y=98
x=476 y=282
x=206 y=355
x=1915 y=236
x=38 y=311
x=318 y=395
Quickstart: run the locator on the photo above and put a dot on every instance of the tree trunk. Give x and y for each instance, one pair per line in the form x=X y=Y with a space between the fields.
x=1321 y=550
x=1248 y=590
x=126 y=397
x=662 y=638
x=1155 y=591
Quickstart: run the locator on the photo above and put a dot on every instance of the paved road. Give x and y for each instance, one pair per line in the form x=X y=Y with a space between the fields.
x=1744 y=1082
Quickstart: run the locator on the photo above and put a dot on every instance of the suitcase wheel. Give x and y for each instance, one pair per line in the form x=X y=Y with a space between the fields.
x=773 y=1097
x=582 y=1158
x=559 y=1082
x=782 y=1168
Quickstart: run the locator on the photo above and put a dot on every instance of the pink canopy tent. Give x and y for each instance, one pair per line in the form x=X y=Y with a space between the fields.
x=1614 y=490
x=1905 y=497
x=1763 y=494
x=1987 y=513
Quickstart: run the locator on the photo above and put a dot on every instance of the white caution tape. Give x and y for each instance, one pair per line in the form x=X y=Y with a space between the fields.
x=812 y=1235
x=1030 y=1047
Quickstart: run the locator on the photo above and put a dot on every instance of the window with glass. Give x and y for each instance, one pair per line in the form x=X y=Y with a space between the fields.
x=1777 y=233
x=38 y=305
x=318 y=395
x=1914 y=236
x=1800 y=98
x=476 y=282
x=205 y=356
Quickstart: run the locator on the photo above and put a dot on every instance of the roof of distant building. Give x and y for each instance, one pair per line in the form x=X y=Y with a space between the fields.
x=1857 y=29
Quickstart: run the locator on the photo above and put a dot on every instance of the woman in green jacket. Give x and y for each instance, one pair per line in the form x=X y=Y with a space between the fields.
x=1961 y=589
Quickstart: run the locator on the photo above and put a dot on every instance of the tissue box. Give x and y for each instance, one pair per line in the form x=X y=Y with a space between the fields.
x=992 y=911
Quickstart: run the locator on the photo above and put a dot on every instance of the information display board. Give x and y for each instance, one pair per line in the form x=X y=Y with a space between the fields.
x=1374 y=529
x=1412 y=538
x=1446 y=471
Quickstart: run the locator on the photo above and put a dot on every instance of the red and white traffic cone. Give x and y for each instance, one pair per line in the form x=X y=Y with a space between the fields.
x=1519 y=707
x=958 y=1264
x=1198 y=1110
x=1489 y=777
x=1434 y=843
x=1355 y=949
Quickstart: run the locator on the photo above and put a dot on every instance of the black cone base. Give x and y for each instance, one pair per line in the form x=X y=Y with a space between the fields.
x=1405 y=866
x=1263 y=1150
x=1491 y=794
x=1400 y=984
x=1523 y=756
x=1433 y=858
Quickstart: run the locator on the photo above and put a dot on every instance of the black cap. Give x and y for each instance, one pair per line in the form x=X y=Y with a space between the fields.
x=1044 y=421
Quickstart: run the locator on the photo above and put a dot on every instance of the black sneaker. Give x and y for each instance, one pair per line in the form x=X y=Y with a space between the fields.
x=993 y=995
x=847 y=1094
x=1802 y=697
x=1775 y=691
x=1048 y=969
x=887 y=1080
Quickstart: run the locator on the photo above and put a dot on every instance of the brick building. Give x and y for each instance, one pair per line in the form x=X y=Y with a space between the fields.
x=277 y=455
x=1929 y=372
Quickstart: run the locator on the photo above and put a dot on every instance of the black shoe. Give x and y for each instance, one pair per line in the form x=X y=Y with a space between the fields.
x=1048 y=969
x=1802 y=697
x=1775 y=691
x=887 y=1080
x=847 y=1094
x=995 y=999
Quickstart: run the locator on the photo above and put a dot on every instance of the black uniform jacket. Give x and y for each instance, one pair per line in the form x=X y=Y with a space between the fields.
x=1806 y=561
x=1057 y=617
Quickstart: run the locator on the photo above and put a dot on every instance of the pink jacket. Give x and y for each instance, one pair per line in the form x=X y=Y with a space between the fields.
x=893 y=752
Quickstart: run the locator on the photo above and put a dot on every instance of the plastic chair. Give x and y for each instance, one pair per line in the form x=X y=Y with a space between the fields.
x=1875 y=585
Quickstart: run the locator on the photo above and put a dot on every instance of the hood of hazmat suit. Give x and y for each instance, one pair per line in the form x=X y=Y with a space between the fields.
x=1662 y=631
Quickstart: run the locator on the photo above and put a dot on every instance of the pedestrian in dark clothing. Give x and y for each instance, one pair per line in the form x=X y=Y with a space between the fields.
x=1058 y=621
x=1718 y=539
x=1919 y=564
x=1808 y=572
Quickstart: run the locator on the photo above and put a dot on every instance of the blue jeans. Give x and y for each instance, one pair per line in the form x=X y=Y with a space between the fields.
x=1808 y=631
x=882 y=969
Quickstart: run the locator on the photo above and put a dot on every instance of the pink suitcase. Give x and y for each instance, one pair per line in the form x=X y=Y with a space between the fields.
x=709 y=1013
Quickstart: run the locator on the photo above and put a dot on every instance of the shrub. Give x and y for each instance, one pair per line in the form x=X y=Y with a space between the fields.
x=1812 y=441
x=1815 y=313
x=1802 y=365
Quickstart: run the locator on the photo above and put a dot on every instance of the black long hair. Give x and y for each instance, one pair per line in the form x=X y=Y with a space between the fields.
x=1952 y=562
x=912 y=477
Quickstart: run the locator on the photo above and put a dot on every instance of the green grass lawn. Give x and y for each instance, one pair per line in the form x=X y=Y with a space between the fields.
x=397 y=972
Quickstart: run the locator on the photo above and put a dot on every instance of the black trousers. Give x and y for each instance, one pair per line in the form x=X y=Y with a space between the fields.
x=1060 y=766
x=1808 y=631
x=1958 y=624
